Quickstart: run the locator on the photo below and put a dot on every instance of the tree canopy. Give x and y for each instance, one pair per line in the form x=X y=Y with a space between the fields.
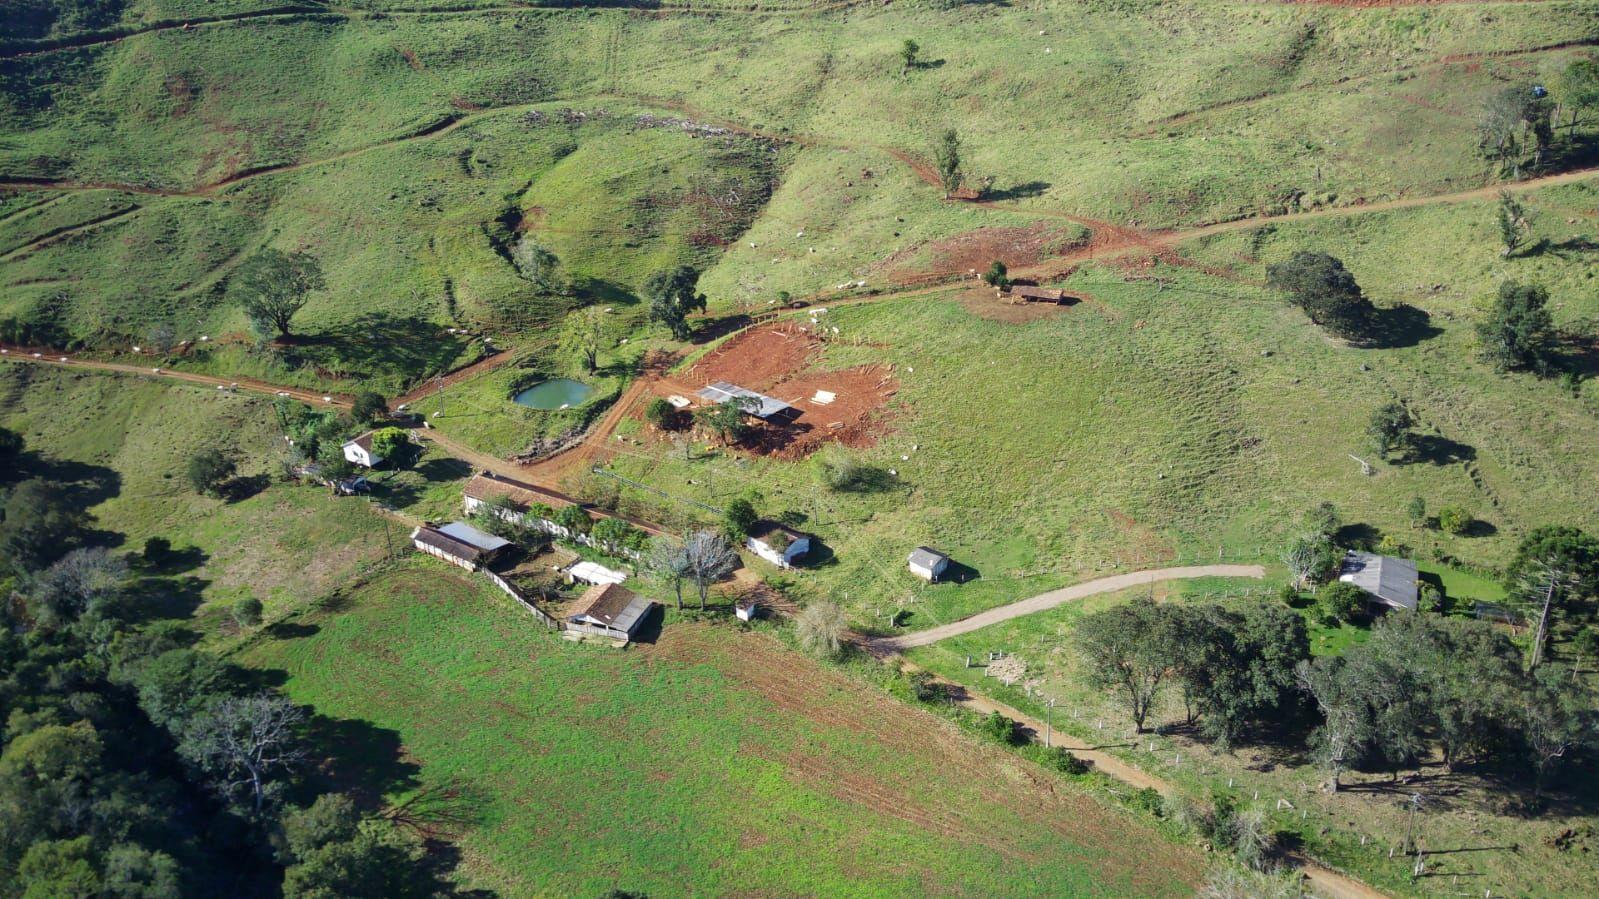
x=672 y=297
x=1518 y=332
x=1320 y=285
x=271 y=286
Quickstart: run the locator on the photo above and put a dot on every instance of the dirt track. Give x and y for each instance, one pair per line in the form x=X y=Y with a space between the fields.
x=1054 y=598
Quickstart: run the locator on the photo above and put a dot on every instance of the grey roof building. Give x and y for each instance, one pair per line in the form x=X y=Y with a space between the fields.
x=722 y=391
x=1390 y=581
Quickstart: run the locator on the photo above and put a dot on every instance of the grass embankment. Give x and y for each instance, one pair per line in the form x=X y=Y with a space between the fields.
x=710 y=761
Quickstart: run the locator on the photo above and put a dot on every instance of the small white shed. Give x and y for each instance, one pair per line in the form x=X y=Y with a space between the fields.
x=777 y=544
x=928 y=563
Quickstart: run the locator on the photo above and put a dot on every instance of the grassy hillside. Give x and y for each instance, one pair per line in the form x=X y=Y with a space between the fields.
x=414 y=131
x=711 y=761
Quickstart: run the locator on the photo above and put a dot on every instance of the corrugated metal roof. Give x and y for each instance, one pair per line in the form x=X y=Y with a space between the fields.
x=722 y=391
x=471 y=536
x=1392 y=580
x=612 y=606
x=925 y=557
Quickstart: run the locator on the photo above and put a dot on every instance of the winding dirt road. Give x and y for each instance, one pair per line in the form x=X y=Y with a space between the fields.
x=888 y=645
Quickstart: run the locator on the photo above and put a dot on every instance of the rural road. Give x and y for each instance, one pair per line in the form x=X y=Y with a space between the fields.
x=885 y=645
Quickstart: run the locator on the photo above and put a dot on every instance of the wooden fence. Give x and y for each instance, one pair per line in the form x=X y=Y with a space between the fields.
x=511 y=591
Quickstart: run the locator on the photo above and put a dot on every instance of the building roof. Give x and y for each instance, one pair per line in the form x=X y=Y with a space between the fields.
x=485 y=486
x=471 y=536
x=1391 y=580
x=364 y=441
x=774 y=533
x=595 y=573
x=722 y=391
x=925 y=557
x=430 y=536
x=612 y=606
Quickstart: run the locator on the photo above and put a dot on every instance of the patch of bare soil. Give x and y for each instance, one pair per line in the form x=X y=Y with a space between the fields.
x=758 y=359
x=854 y=418
x=984 y=302
x=974 y=251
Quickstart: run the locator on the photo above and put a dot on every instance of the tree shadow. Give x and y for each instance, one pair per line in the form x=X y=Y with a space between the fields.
x=598 y=290
x=921 y=64
x=152 y=599
x=713 y=328
x=360 y=757
x=1479 y=528
x=1020 y=191
x=1435 y=449
x=397 y=494
x=1401 y=326
x=378 y=345
x=173 y=561
x=292 y=630
x=242 y=488
x=1357 y=535
x=85 y=485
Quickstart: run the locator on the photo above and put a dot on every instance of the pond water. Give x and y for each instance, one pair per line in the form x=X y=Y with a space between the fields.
x=555 y=393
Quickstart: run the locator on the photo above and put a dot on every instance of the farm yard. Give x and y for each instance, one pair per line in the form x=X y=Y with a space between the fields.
x=772 y=261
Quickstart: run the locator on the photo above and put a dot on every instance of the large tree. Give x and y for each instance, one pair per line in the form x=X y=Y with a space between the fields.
x=246 y=745
x=1553 y=565
x=708 y=559
x=1320 y=285
x=584 y=333
x=1518 y=332
x=1512 y=120
x=1577 y=92
x=667 y=559
x=40 y=523
x=672 y=296
x=1389 y=428
x=1131 y=649
x=1346 y=725
x=271 y=286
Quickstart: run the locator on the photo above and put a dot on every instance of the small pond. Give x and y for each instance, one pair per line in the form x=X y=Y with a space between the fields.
x=556 y=393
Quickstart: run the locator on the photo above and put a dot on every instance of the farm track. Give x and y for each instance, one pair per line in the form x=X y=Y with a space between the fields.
x=56 y=234
x=1053 y=598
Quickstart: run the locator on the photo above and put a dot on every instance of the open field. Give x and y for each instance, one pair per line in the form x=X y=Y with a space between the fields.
x=749 y=768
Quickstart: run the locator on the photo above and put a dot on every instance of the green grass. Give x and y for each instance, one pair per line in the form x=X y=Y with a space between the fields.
x=743 y=770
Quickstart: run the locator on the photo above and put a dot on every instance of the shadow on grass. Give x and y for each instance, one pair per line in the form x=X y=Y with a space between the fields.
x=378 y=345
x=1401 y=326
x=1018 y=191
x=1434 y=449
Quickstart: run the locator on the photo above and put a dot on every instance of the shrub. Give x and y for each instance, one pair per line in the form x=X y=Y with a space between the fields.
x=821 y=628
x=368 y=407
x=209 y=470
x=156 y=550
x=1064 y=762
x=575 y=519
x=1340 y=601
x=659 y=414
x=1455 y=520
x=1148 y=799
x=1430 y=599
x=246 y=613
x=998 y=728
x=740 y=517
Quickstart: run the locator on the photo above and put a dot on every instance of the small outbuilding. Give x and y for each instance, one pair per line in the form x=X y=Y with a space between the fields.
x=766 y=408
x=594 y=573
x=608 y=610
x=928 y=563
x=1389 y=581
x=459 y=544
x=778 y=544
x=359 y=451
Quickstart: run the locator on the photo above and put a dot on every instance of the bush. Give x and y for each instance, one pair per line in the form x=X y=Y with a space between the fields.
x=1455 y=520
x=821 y=627
x=1430 y=599
x=1060 y=760
x=209 y=470
x=740 y=518
x=1340 y=601
x=575 y=519
x=368 y=407
x=156 y=550
x=1148 y=799
x=660 y=414
x=246 y=612
x=998 y=728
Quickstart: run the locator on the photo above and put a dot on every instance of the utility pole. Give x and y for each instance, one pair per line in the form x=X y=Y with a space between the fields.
x=439 y=382
x=1410 y=823
x=1049 y=724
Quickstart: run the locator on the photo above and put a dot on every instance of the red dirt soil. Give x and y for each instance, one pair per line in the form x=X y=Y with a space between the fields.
x=974 y=251
x=776 y=361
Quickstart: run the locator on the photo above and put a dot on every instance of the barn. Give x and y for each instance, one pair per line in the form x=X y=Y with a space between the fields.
x=459 y=544
x=608 y=610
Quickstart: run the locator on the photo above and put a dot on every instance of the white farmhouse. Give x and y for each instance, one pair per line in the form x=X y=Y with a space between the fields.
x=777 y=544
x=359 y=451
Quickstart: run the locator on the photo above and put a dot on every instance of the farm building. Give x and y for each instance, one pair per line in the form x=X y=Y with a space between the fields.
x=486 y=486
x=594 y=573
x=1028 y=294
x=928 y=563
x=768 y=409
x=608 y=610
x=1390 y=581
x=777 y=544
x=359 y=451
x=458 y=543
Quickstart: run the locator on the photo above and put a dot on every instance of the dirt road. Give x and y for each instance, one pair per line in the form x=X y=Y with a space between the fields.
x=64 y=360
x=886 y=645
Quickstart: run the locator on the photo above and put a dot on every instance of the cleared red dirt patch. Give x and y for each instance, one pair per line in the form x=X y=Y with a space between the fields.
x=974 y=251
x=777 y=361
